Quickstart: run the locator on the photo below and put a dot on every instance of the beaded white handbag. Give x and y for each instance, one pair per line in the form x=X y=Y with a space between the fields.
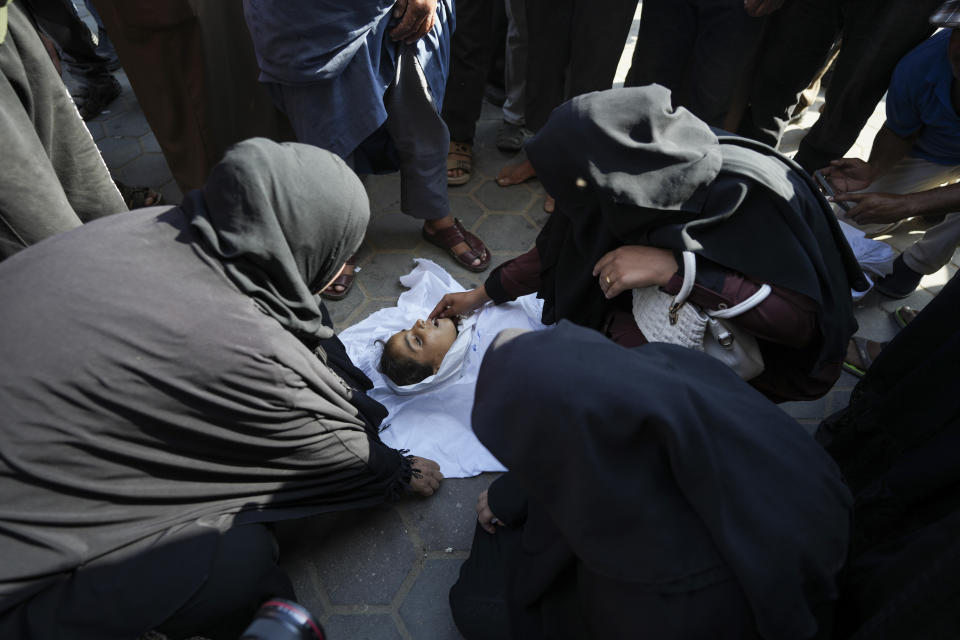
x=663 y=318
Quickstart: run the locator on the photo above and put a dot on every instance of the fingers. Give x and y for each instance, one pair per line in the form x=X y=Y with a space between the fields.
x=442 y=309
x=418 y=18
x=399 y=8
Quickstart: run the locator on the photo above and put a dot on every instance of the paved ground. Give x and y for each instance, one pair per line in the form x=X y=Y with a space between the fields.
x=384 y=573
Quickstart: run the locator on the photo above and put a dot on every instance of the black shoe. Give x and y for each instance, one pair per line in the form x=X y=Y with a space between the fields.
x=901 y=282
x=94 y=97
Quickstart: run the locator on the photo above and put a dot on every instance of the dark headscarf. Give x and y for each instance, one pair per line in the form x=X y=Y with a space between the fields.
x=282 y=218
x=628 y=168
x=650 y=461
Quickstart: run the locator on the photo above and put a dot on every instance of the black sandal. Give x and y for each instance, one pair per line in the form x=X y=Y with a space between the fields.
x=93 y=98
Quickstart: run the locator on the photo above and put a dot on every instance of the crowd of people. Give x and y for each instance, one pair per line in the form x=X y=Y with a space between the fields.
x=172 y=385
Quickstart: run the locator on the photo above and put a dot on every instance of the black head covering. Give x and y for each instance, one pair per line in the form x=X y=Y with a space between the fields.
x=282 y=219
x=628 y=168
x=650 y=461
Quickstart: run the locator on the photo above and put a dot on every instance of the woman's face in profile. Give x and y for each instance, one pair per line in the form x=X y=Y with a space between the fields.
x=427 y=341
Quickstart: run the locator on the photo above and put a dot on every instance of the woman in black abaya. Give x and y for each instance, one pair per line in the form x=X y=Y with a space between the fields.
x=651 y=494
x=170 y=384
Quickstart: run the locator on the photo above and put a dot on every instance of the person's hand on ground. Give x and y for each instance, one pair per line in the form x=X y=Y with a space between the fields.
x=876 y=208
x=757 y=8
x=457 y=304
x=425 y=477
x=485 y=517
x=632 y=267
x=848 y=174
x=416 y=19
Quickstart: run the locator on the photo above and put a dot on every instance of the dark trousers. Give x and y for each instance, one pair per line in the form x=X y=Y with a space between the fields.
x=475 y=44
x=244 y=574
x=574 y=48
x=875 y=35
x=59 y=20
x=696 y=48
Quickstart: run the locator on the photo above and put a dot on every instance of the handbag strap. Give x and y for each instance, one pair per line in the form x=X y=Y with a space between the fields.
x=689 y=277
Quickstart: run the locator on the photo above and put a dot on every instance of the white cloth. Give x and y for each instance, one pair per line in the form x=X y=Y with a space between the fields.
x=435 y=421
x=874 y=257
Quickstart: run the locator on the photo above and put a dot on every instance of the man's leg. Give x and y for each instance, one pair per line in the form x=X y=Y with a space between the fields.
x=548 y=55
x=515 y=69
x=796 y=45
x=876 y=35
x=422 y=139
x=726 y=40
x=599 y=33
x=664 y=45
x=470 y=54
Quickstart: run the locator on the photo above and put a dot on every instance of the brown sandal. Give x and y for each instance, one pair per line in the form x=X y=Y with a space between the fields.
x=344 y=280
x=449 y=237
x=460 y=157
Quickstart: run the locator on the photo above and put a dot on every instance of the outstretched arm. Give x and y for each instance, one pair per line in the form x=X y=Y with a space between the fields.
x=853 y=174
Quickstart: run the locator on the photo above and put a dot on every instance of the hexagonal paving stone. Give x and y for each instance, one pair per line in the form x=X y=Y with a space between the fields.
x=466 y=209
x=393 y=232
x=448 y=519
x=96 y=129
x=117 y=151
x=384 y=192
x=380 y=277
x=149 y=143
x=361 y=627
x=505 y=232
x=514 y=199
x=340 y=310
x=426 y=609
x=365 y=562
x=127 y=123
x=147 y=169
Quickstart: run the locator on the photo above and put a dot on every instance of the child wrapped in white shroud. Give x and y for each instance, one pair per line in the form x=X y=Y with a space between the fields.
x=432 y=417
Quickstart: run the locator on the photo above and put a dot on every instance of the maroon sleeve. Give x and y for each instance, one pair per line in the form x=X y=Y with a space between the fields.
x=514 y=278
x=784 y=317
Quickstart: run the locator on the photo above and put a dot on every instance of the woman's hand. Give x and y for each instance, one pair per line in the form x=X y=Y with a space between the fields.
x=416 y=19
x=485 y=517
x=848 y=174
x=633 y=267
x=425 y=478
x=458 y=304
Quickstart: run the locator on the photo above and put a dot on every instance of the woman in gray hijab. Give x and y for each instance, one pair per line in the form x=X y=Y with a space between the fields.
x=170 y=384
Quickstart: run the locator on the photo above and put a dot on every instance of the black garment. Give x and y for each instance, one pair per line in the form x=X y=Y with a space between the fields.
x=665 y=497
x=898 y=446
x=628 y=169
x=573 y=48
x=472 y=49
x=698 y=49
x=155 y=394
x=875 y=35
x=59 y=20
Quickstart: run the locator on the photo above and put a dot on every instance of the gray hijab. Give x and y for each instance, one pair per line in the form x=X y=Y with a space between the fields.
x=282 y=219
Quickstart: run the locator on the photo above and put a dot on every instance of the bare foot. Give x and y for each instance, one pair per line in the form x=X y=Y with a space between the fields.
x=432 y=226
x=853 y=355
x=516 y=173
x=549 y=204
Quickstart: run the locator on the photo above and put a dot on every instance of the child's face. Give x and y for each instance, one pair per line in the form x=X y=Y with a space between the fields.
x=427 y=341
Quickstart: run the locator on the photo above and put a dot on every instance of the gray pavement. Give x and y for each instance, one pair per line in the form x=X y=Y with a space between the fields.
x=385 y=572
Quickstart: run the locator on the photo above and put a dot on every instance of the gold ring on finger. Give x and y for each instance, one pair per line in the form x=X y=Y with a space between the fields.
x=609 y=281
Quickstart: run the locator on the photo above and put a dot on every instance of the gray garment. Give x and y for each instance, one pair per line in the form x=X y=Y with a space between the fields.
x=53 y=178
x=419 y=134
x=146 y=401
x=515 y=67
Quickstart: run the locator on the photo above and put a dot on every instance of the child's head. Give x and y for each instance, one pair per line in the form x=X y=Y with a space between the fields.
x=411 y=355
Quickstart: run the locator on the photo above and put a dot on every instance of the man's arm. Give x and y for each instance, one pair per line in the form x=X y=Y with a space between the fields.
x=853 y=174
x=880 y=208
